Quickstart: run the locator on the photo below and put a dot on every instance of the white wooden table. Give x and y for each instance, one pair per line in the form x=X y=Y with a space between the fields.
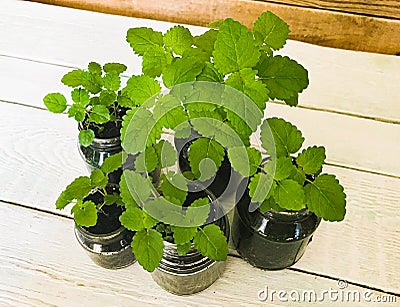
x=352 y=106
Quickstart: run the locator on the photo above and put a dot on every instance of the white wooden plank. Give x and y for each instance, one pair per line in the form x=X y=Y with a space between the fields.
x=44 y=159
x=345 y=81
x=44 y=265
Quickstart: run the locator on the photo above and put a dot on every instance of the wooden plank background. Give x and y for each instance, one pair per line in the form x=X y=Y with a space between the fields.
x=351 y=107
x=322 y=27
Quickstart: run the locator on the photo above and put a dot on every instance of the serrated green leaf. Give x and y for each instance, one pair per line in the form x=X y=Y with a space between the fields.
x=77 y=189
x=77 y=111
x=155 y=59
x=125 y=193
x=91 y=82
x=139 y=130
x=311 y=159
x=73 y=78
x=244 y=160
x=239 y=126
x=166 y=211
x=205 y=157
x=246 y=82
x=113 y=162
x=147 y=161
x=86 y=137
x=182 y=70
x=148 y=247
x=198 y=212
x=85 y=214
x=166 y=153
x=55 y=102
x=234 y=48
x=80 y=96
x=114 y=67
x=286 y=138
x=174 y=187
x=135 y=219
x=326 y=198
x=289 y=195
x=141 y=39
x=210 y=74
x=260 y=187
x=211 y=242
x=99 y=114
x=169 y=112
x=107 y=98
x=183 y=249
x=141 y=88
x=284 y=168
x=137 y=186
x=205 y=42
x=95 y=68
x=98 y=179
x=269 y=29
x=283 y=76
x=112 y=81
x=184 y=235
x=179 y=39
x=115 y=198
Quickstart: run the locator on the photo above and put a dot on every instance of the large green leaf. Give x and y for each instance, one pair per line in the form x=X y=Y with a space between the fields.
x=270 y=30
x=85 y=214
x=179 y=39
x=141 y=39
x=311 y=159
x=289 y=195
x=211 y=242
x=55 y=102
x=148 y=247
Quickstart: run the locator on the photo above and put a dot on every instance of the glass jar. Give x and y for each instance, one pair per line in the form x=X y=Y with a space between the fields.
x=273 y=240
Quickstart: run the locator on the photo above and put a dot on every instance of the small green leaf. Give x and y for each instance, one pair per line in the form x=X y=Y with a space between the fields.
x=205 y=42
x=244 y=160
x=98 y=179
x=80 y=96
x=246 y=82
x=77 y=189
x=124 y=101
x=211 y=242
x=85 y=214
x=182 y=70
x=111 y=81
x=174 y=188
x=135 y=219
x=99 y=114
x=86 y=137
x=289 y=195
x=114 y=67
x=284 y=168
x=55 y=102
x=260 y=186
x=269 y=29
x=311 y=159
x=286 y=138
x=141 y=39
x=73 y=78
x=95 y=68
x=234 y=48
x=113 y=162
x=148 y=247
x=91 y=82
x=141 y=88
x=107 y=98
x=115 y=198
x=184 y=235
x=284 y=77
x=183 y=249
x=326 y=198
x=179 y=39
x=77 y=111
x=155 y=59
x=205 y=157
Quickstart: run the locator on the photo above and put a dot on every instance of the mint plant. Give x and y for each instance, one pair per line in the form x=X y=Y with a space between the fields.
x=229 y=56
x=297 y=181
x=85 y=212
x=164 y=212
x=97 y=98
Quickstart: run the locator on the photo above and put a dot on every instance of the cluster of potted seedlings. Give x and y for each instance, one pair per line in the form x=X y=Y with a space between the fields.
x=170 y=153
